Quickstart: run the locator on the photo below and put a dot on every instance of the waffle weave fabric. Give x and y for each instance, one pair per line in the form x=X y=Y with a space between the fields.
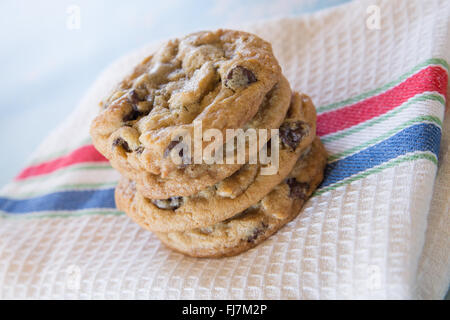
x=378 y=226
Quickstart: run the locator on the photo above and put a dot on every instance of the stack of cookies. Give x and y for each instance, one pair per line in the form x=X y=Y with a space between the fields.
x=220 y=80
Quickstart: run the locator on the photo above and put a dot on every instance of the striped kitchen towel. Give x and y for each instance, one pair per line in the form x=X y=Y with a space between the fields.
x=371 y=230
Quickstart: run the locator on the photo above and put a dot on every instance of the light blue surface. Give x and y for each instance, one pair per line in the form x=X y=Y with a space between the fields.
x=46 y=67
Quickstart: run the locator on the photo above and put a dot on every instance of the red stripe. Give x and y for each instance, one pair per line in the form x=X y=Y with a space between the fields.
x=433 y=78
x=83 y=154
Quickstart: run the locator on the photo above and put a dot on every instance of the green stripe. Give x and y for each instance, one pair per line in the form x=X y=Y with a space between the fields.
x=390 y=114
x=347 y=152
x=69 y=214
x=433 y=61
x=390 y=164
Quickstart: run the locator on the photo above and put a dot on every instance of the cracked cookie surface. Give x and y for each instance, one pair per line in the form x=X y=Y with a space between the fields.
x=193 y=178
x=229 y=196
x=220 y=78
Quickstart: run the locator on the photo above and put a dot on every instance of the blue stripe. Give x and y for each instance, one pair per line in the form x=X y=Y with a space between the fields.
x=64 y=200
x=420 y=137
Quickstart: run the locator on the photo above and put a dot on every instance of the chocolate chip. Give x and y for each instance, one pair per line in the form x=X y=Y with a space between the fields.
x=257 y=232
x=119 y=142
x=169 y=204
x=133 y=96
x=138 y=106
x=239 y=77
x=297 y=190
x=292 y=133
x=139 y=150
x=132 y=115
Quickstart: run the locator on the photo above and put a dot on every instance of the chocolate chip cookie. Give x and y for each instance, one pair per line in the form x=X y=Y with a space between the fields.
x=253 y=225
x=191 y=179
x=219 y=78
x=231 y=195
